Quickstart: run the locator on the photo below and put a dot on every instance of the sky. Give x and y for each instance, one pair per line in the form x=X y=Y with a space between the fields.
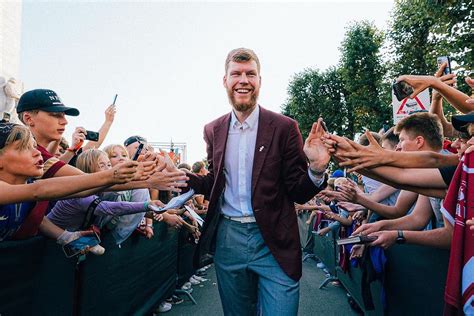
x=165 y=60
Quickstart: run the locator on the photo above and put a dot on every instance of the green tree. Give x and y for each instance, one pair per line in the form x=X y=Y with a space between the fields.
x=421 y=31
x=313 y=94
x=367 y=98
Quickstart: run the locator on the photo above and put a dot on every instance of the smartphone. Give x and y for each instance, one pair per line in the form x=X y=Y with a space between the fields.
x=77 y=247
x=138 y=152
x=402 y=90
x=325 y=128
x=445 y=59
x=115 y=99
x=93 y=136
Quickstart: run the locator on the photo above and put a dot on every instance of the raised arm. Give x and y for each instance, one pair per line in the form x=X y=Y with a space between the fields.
x=404 y=202
x=55 y=188
x=451 y=94
x=104 y=129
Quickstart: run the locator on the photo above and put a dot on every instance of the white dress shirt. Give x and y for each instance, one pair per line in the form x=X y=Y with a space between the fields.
x=238 y=166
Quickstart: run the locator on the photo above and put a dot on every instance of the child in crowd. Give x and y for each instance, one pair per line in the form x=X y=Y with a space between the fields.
x=77 y=213
x=123 y=226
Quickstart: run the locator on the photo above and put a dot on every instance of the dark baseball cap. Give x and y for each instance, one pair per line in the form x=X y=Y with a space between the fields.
x=43 y=100
x=134 y=139
x=460 y=121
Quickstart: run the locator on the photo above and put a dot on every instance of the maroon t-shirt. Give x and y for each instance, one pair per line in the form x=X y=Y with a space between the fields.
x=51 y=163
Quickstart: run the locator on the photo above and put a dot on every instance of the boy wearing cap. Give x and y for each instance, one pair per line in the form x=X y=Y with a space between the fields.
x=42 y=111
x=45 y=115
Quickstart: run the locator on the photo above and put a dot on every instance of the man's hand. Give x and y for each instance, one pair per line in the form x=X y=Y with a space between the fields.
x=298 y=207
x=366 y=229
x=123 y=172
x=315 y=150
x=149 y=232
x=357 y=251
x=366 y=156
x=470 y=143
x=470 y=223
x=167 y=162
x=351 y=207
x=110 y=113
x=385 y=239
x=168 y=181
x=173 y=220
x=146 y=167
x=78 y=137
x=418 y=83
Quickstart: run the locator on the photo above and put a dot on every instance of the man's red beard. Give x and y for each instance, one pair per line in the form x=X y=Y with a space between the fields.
x=242 y=107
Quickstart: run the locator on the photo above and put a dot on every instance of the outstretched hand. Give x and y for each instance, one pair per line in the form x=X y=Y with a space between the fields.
x=365 y=156
x=314 y=148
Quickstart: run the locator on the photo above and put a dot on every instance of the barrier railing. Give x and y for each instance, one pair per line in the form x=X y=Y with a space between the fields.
x=37 y=279
x=413 y=281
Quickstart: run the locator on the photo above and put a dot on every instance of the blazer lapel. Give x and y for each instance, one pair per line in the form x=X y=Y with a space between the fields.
x=220 y=141
x=262 y=144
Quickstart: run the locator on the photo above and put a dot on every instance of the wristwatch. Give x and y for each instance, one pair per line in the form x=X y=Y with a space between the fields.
x=400 y=238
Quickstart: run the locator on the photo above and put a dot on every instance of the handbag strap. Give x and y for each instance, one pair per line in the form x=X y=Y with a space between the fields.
x=89 y=218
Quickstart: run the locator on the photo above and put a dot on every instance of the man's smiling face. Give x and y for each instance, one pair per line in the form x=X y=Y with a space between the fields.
x=242 y=82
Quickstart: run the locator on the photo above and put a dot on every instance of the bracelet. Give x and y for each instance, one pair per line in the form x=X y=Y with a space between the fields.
x=149 y=225
x=145 y=205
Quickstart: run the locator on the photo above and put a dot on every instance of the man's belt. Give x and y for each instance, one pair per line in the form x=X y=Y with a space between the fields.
x=242 y=219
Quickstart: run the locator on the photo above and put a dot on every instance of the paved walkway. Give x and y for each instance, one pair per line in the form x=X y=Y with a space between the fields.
x=328 y=301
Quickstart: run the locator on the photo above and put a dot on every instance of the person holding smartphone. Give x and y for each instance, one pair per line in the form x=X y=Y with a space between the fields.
x=80 y=136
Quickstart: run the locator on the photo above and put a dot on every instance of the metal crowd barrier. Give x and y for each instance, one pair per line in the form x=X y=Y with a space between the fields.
x=413 y=282
x=37 y=279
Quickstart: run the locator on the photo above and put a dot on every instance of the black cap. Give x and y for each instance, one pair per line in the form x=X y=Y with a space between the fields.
x=5 y=131
x=134 y=139
x=460 y=121
x=44 y=100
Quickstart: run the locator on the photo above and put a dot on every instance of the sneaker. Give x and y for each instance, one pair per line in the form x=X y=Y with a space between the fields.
x=186 y=286
x=194 y=281
x=321 y=265
x=174 y=300
x=164 y=307
x=336 y=283
x=200 y=279
x=199 y=271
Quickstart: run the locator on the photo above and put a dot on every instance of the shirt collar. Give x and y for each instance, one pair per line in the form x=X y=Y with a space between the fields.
x=251 y=121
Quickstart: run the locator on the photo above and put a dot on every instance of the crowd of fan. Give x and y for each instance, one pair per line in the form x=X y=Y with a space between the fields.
x=66 y=191
x=394 y=189
x=407 y=184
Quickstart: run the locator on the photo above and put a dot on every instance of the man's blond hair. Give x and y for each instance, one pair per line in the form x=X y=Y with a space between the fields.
x=241 y=55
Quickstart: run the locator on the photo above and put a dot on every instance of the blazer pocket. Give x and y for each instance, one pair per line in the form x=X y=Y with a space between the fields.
x=272 y=160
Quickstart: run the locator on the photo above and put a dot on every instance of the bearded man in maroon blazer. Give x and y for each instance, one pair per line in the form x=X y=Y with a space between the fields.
x=257 y=171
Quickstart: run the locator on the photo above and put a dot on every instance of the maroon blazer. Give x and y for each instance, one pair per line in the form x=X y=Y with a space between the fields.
x=279 y=178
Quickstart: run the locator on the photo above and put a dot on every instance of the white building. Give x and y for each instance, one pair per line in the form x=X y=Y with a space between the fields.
x=10 y=38
x=10 y=42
